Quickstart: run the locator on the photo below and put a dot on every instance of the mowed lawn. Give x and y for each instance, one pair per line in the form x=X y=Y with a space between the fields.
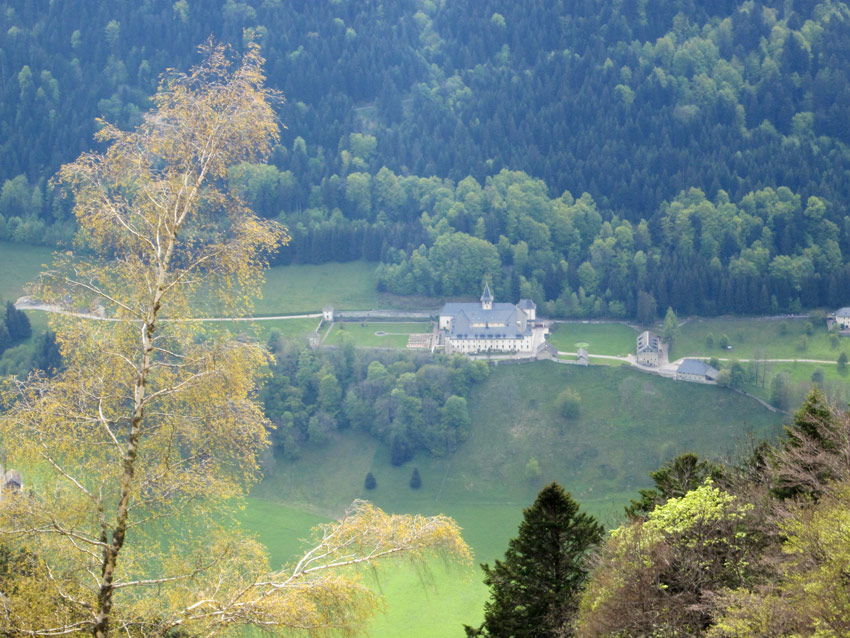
x=629 y=425
x=758 y=339
x=376 y=334
x=601 y=338
x=288 y=328
x=308 y=288
x=20 y=265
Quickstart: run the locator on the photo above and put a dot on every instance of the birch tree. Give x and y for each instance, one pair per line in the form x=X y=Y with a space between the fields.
x=132 y=455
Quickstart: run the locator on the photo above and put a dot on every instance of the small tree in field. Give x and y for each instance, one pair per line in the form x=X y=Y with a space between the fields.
x=370 y=483
x=153 y=428
x=415 y=479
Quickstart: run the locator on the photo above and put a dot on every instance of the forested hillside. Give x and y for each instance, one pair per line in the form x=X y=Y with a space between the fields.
x=605 y=158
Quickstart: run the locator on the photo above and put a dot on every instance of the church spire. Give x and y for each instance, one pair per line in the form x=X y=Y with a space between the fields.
x=486 y=298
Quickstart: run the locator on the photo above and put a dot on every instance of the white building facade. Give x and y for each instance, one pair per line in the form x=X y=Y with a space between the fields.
x=471 y=328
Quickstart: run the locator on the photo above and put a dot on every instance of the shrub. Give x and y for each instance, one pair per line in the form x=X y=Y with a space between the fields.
x=370 y=483
x=400 y=451
x=568 y=403
x=415 y=479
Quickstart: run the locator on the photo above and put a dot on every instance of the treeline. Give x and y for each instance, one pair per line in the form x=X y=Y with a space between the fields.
x=429 y=134
x=411 y=402
x=769 y=252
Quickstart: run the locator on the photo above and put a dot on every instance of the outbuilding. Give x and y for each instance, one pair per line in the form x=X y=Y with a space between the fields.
x=696 y=371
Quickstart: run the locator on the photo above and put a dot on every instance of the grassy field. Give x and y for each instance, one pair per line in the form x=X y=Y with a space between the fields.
x=18 y=265
x=601 y=338
x=835 y=384
x=630 y=424
x=287 y=290
x=366 y=335
x=301 y=289
x=288 y=328
x=754 y=338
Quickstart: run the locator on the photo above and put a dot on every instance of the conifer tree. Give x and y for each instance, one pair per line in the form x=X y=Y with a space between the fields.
x=534 y=590
x=813 y=452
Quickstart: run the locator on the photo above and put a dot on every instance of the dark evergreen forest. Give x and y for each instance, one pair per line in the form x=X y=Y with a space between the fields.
x=603 y=157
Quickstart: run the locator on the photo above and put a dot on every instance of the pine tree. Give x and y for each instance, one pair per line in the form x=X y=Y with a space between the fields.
x=811 y=455
x=671 y=330
x=534 y=591
x=17 y=323
x=415 y=479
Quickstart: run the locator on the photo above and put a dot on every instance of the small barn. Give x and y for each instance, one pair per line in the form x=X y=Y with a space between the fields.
x=696 y=371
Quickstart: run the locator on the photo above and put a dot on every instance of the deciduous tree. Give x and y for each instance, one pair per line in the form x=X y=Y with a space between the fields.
x=134 y=451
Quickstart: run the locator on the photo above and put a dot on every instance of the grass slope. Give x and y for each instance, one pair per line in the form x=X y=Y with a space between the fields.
x=630 y=424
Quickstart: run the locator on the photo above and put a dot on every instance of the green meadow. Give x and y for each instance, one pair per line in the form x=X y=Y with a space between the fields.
x=598 y=338
x=630 y=424
x=753 y=338
x=20 y=264
x=376 y=334
x=308 y=288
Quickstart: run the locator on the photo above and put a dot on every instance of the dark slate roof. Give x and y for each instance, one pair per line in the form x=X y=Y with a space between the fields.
x=843 y=312
x=648 y=342
x=500 y=312
x=697 y=366
x=526 y=304
x=502 y=324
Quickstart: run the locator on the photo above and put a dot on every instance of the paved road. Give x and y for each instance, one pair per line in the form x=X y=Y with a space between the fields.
x=25 y=304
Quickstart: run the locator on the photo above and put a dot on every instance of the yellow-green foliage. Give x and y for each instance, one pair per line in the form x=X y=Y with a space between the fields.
x=809 y=596
x=651 y=575
x=132 y=454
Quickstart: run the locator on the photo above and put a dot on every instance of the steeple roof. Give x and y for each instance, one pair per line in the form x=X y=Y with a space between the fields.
x=486 y=296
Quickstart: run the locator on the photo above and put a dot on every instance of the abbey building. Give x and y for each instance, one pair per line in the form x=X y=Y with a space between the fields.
x=471 y=328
